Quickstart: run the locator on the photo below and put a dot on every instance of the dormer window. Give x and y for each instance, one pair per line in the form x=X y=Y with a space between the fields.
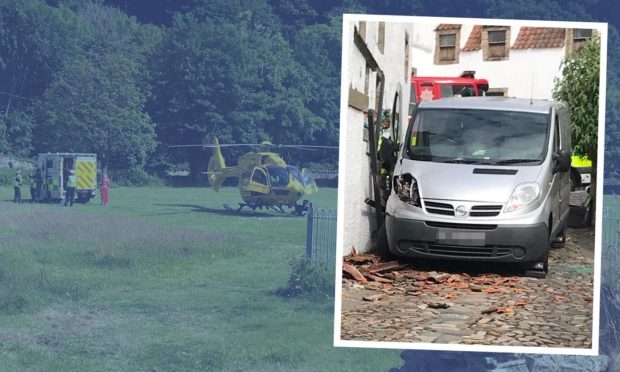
x=580 y=37
x=495 y=43
x=447 y=44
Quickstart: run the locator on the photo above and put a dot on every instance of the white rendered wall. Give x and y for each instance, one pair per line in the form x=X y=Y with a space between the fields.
x=517 y=73
x=355 y=184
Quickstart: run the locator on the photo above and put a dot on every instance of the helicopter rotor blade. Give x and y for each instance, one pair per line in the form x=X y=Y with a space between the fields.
x=208 y=145
x=300 y=147
x=308 y=147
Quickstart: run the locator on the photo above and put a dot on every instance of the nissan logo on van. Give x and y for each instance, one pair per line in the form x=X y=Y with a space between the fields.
x=461 y=211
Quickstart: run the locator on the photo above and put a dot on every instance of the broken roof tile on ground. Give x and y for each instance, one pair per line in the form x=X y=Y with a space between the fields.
x=490 y=308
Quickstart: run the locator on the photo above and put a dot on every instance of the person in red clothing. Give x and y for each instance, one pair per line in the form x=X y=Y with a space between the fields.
x=105 y=190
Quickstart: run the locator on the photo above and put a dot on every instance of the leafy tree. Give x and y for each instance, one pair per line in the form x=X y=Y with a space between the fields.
x=579 y=88
x=96 y=101
x=34 y=40
x=230 y=76
x=318 y=49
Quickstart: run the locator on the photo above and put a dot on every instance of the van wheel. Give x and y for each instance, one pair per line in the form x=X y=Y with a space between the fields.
x=560 y=239
x=539 y=269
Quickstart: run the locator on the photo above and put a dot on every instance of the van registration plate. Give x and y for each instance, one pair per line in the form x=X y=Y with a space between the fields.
x=466 y=238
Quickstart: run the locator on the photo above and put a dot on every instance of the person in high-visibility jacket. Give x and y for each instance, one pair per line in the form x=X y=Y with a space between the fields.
x=386 y=149
x=71 y=185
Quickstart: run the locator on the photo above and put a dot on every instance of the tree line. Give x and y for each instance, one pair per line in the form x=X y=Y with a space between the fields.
x=82 y=76
x=86 y=76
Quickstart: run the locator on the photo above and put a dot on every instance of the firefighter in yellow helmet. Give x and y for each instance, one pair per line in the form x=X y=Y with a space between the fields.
x=71 y=185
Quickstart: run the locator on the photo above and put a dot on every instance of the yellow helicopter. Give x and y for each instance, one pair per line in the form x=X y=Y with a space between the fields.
x=265 y=180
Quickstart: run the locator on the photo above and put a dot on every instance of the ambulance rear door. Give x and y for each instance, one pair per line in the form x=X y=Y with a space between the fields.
x=86 y=171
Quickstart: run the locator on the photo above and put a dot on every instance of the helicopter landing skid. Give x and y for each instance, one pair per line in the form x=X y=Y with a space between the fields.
x=243 y=205
x=296 y=209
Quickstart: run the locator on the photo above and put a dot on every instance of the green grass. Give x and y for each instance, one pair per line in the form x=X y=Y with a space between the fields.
x=163 y=278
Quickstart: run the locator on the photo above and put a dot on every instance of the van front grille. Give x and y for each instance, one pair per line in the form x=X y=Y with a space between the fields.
x=439 y=208
x=457 y=251
x=485 y=210
x=462 y=226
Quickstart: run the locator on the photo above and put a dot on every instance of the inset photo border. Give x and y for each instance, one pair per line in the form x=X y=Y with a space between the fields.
x=466 y=198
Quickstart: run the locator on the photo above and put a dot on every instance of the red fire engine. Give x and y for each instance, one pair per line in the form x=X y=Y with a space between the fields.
x=424 y=88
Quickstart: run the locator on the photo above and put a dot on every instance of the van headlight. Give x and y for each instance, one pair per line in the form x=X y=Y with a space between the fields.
x=406 y=189
x=524 y=194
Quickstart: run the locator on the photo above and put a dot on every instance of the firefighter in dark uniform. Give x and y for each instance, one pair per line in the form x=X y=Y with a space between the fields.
x=38 y=178
x=33 y=189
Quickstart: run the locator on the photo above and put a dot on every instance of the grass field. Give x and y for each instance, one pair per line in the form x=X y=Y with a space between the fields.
x=162 y=279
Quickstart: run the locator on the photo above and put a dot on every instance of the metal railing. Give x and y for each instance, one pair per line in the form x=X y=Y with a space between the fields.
x=321 y=236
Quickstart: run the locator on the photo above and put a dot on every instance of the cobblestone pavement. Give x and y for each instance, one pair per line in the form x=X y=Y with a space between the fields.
x=435 y=302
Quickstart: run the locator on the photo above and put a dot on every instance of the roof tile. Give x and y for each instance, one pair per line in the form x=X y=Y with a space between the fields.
x=540 y=37
x=448 y=26
x=474 y=39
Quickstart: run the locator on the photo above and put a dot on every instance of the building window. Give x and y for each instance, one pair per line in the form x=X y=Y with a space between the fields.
x=580 y=37
x=407 y=78
x=501 y=92
x=381 y=37
x=495 y=43
x=396 y=119
x=362 y=30
x=378 y=93
x=447 y=46
x=366 y=79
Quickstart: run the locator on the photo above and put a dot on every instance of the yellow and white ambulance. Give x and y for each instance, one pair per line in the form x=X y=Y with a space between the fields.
x=55 y=169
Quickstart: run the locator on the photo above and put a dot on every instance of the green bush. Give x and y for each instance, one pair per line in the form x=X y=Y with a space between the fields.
x=309 y=279
x=134 y=177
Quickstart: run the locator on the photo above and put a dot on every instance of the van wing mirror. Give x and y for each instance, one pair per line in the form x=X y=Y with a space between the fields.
x=562 y=160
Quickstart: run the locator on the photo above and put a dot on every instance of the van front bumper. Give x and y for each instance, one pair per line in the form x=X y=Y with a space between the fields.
x=471 y=242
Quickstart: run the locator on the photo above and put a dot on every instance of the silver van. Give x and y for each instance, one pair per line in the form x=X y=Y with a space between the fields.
x=484 y=179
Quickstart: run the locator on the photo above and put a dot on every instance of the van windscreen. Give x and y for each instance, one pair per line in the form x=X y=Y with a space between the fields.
x=478 y=136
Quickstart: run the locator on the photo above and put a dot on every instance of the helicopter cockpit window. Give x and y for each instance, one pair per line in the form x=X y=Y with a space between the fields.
x=294 y=171
x=278 y=176
x=259 y=176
